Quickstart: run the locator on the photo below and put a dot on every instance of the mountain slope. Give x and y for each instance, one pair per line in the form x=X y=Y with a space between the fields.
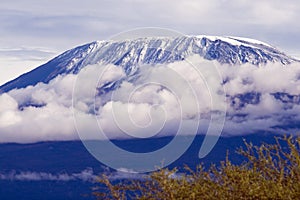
x=128 y=53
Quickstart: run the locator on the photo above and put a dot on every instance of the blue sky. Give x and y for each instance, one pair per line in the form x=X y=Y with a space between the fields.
x=33 y=32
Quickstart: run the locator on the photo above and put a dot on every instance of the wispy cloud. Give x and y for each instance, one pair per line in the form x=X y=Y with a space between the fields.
x=85 y=175
x=25 y=22
x=17 y=61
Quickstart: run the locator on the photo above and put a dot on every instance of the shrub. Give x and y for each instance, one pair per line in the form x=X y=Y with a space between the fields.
x=270 y=171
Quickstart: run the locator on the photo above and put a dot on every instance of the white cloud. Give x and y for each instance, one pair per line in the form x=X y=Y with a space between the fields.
x=161 y=100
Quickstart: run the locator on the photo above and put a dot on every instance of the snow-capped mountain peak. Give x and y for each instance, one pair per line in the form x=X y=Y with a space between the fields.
x=152 y=50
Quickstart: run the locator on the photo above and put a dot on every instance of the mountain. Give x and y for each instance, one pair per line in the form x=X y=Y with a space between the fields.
x=153 y=50
x=262 y=109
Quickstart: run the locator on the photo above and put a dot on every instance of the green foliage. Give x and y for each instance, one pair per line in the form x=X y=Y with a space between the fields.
x=269 y=172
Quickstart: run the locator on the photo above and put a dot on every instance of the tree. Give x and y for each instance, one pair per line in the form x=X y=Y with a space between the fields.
x=270 y=171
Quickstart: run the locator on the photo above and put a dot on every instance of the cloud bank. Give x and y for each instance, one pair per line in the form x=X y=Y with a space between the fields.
x=157 y=101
